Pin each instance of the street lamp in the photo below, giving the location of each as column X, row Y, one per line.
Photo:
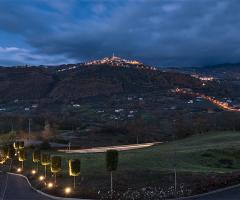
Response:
column 50, row 185
column 67, row 190
column 33, row 172
column 41, row 178
column 19, row 169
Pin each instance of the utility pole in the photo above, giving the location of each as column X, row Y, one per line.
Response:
column 69, row 146
column 11, row 132
column 29, row 128
column 175, row 161
column 175, row 174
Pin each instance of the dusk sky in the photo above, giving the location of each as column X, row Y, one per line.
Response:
column 156, row 32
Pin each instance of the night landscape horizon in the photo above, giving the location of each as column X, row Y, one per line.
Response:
column 119, row 100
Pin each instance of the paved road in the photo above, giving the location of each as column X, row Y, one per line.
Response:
column 229, row 194
column 17, row 189
column 119, row 148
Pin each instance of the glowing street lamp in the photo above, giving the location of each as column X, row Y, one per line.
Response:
column 33, row 172
column 50, row 185
column 19, row 169
column 67, row 190
column 41, row 178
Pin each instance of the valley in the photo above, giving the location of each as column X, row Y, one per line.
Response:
column 119, row 100
column 159, row 120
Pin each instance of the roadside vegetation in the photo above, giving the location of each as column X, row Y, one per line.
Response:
column 214, row 157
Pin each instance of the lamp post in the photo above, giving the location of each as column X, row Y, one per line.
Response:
column 174, row 161
column 69, row 146
column 29, row 128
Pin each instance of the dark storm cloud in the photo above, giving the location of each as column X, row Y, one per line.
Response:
column 166, row 32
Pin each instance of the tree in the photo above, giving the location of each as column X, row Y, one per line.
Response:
column 5, row 151
column 45, row 161
column 36, row 157
column 74, row 169
column 3, row 157
column 56, row 163
column 9, row 138
column 10, row 154
column 21, row 144
column 18, row 145
column 45, row 145
column 22, row 156
column 111, row 163
column 11, row 151
column 49, row 130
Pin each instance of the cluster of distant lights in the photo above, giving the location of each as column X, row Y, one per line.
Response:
column 41, row 178
column 203, row 78
column 223, row 105
column 114, row 61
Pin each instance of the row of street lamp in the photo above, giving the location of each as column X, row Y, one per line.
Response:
column 50, row 185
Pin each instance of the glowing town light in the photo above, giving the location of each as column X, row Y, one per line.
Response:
column 33, row 171
column 67, row 190
column 19, row 169
column 41, row 178
column 50, row 185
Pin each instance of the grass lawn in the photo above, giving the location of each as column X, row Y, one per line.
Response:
column 199, row 153
column 215, row 152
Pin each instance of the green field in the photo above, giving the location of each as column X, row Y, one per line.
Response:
column 199, row 153
column 216, row 152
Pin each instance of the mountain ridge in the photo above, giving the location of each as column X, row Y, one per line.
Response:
column 104, row 77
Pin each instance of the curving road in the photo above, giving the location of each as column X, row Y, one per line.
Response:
column 17, row 188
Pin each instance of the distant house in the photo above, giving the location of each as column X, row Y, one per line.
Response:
column 76, row 105
column 118, row 110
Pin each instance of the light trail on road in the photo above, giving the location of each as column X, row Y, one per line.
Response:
column 104, row 149
column 220, row 104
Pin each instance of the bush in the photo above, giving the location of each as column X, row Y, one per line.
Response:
column 112, row 160
column 36, row 156
column 5, row 151
column 45, row 159
column 11, row 151
column 45, row 145
column 56, row 162
column 22, row 155
column 74, row 167
column 18, row 145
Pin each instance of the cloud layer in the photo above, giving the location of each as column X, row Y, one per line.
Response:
column 161, row 33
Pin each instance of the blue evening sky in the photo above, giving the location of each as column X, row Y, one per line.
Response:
column 156, row 32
